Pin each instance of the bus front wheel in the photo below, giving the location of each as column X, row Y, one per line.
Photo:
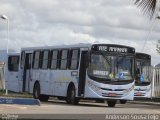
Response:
column 71, row 96
column 123, row 101
column 111, row 103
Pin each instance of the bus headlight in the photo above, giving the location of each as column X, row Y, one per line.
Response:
column 148, row 89
column 94, row 87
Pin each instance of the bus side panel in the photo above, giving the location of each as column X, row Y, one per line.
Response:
column 44, row 78
column 62, row 80
column 57, row 84
column 13, row 82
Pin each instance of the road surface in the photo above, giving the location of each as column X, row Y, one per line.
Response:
column 85, row 110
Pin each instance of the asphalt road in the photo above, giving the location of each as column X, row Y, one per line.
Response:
column 85, row 110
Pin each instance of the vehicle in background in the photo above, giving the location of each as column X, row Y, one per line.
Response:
column 143, row 75
column 12, row 82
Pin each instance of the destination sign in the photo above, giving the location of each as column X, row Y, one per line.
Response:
column 143, row 56
column 113, row 48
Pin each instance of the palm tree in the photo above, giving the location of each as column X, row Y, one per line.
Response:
column 148, row 6
column 158, row 49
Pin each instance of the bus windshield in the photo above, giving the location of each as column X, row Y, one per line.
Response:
column 143, row 71
column 111, row 67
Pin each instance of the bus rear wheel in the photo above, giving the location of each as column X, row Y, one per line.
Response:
column 111, row 103
column 44, row 97
column 71, row 96
column 37, row 95
column 36, row 91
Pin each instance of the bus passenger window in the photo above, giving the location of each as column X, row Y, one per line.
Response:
column 45, row 59
column 74, row 59
column 54, row 59
column 13, row 63
column 63, row 61
column 36, row 60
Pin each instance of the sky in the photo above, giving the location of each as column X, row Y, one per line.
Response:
column 57, row 22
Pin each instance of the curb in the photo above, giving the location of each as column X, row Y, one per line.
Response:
column 142, row 102
column 20, row 101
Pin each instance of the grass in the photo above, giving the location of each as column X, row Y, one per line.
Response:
column 2, row 92
column 13, row 94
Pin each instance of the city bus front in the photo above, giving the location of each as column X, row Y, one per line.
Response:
column 143, row 76
column 110, row 74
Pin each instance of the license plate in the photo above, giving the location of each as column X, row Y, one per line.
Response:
column 138, row 94
column 112, row 94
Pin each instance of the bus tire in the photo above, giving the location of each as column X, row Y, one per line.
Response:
column 71, row 95
column 111, row 103
column 36, row 91
column 61, row 98
column 123, row 101
column 44, row 97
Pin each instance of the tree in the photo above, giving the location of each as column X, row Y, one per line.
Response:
column 158, row 47
column 147, row 6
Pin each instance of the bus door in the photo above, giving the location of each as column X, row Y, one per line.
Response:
column 12, row 81
column 82, row 73
column 26, row 71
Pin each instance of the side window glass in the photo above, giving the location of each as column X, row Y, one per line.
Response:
column 36, row 59
column 45, row 59
column 13, row 63
column 64, row 54
column 54, row 59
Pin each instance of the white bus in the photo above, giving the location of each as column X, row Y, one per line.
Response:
column 80, row 71
column 11, row 72
column 143, row 78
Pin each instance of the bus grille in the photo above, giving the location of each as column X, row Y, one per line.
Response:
column 112, row 89
column 109, row 95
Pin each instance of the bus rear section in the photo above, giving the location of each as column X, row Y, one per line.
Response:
column 11, row 72
column 69, row 72
column 143, row 76
column 2, row 78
